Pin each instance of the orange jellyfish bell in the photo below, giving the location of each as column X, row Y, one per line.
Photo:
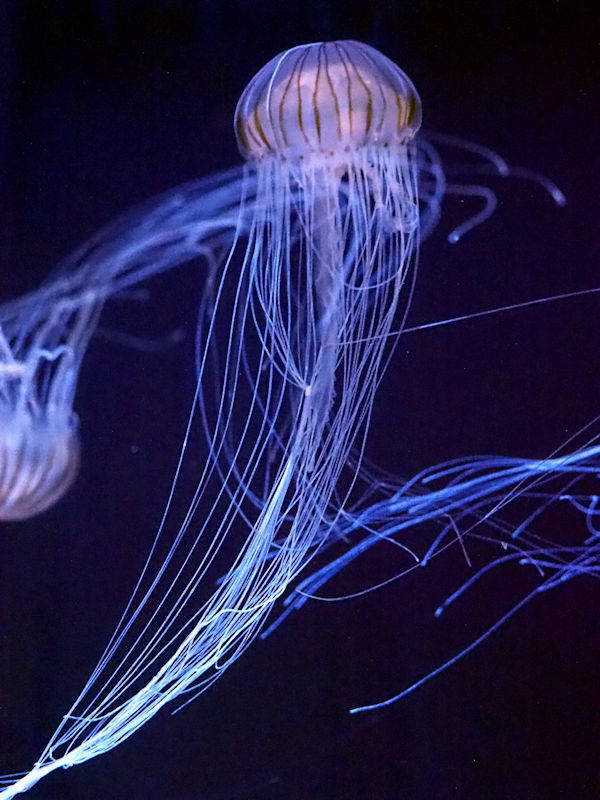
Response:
column 39, row 460
column 326, row 98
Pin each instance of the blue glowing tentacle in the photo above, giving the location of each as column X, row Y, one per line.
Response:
column 477, row 489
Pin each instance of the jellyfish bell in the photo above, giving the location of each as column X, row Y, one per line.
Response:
column 39, row 460
column 322, row 112
column 39, row 436
column 326, row 100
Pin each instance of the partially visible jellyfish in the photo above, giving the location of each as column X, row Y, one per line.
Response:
column 39, row 447
column 44, row 335
column 312, row 261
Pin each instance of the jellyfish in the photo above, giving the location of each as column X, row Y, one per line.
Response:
column 327, row 257
column 311, row 258
column 45, row 334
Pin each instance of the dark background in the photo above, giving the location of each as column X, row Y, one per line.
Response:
column 107, row 103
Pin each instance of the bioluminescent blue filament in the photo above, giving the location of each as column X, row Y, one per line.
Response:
column 466, row 499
